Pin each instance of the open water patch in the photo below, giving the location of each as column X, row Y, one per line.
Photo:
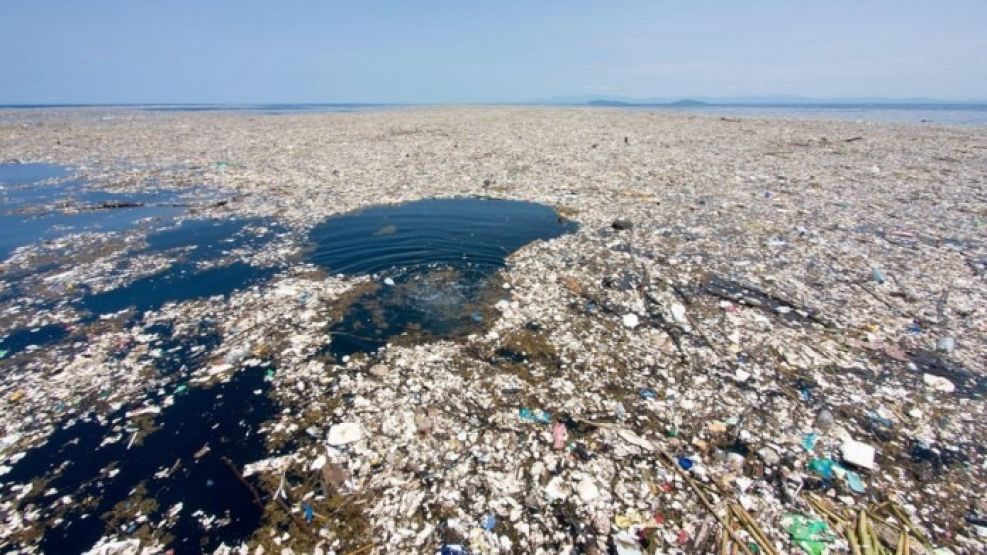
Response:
column 192, row 242
column 20, row 174
column 181, row 282
column 436, row 261
column 181, row 472
column 40, row 202
column 25, row 339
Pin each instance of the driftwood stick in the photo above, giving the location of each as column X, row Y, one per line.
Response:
column 236, row 472
column 705, row 502
column 753, row 528
column 302, row 526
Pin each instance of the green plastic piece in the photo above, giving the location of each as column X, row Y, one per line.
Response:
column 810, row 535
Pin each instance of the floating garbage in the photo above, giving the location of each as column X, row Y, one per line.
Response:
column 945, row 344
column 822, row 467
column 938, row 383
column 809, row 441
column 630, row 320
column 536, row 415
column 858, row 453
column 811, row 536
column 559, row 436
column 344, row 434
column 751, row 335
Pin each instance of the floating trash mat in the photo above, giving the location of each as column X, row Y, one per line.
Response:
column 165, row 468
column 435, row 261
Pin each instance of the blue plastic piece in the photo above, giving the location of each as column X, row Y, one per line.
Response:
column 853, row 480
column 809, row 442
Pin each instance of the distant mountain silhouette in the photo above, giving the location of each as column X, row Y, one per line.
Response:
column 616, row 103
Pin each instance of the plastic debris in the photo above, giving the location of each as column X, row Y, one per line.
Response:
column 858, row 453
column 586, row 490
column 822, row 467
column 943, row 344
column 556, row 489
column 782, row 332
column 853, row 480
column 559, row 436
column 678, row 313
column 626, row 543
column 345, row 433
column 809, row 441
column 630, row 320
column 811, row 536
column 536, row 415
column 939, row 383
column 824, row 420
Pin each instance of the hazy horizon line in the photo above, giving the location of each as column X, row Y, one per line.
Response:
column 556, row 100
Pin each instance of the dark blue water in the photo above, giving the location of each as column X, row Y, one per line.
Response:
column 192, row 241
column 33, row 209
column 180, row 282
column 20, row 339
column 440, row 255
column 471, row 234
column 225, row 418
column 207, row 239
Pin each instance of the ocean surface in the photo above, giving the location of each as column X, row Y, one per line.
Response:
column 950, row 114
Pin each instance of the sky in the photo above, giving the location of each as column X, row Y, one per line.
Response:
column 468, row 51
